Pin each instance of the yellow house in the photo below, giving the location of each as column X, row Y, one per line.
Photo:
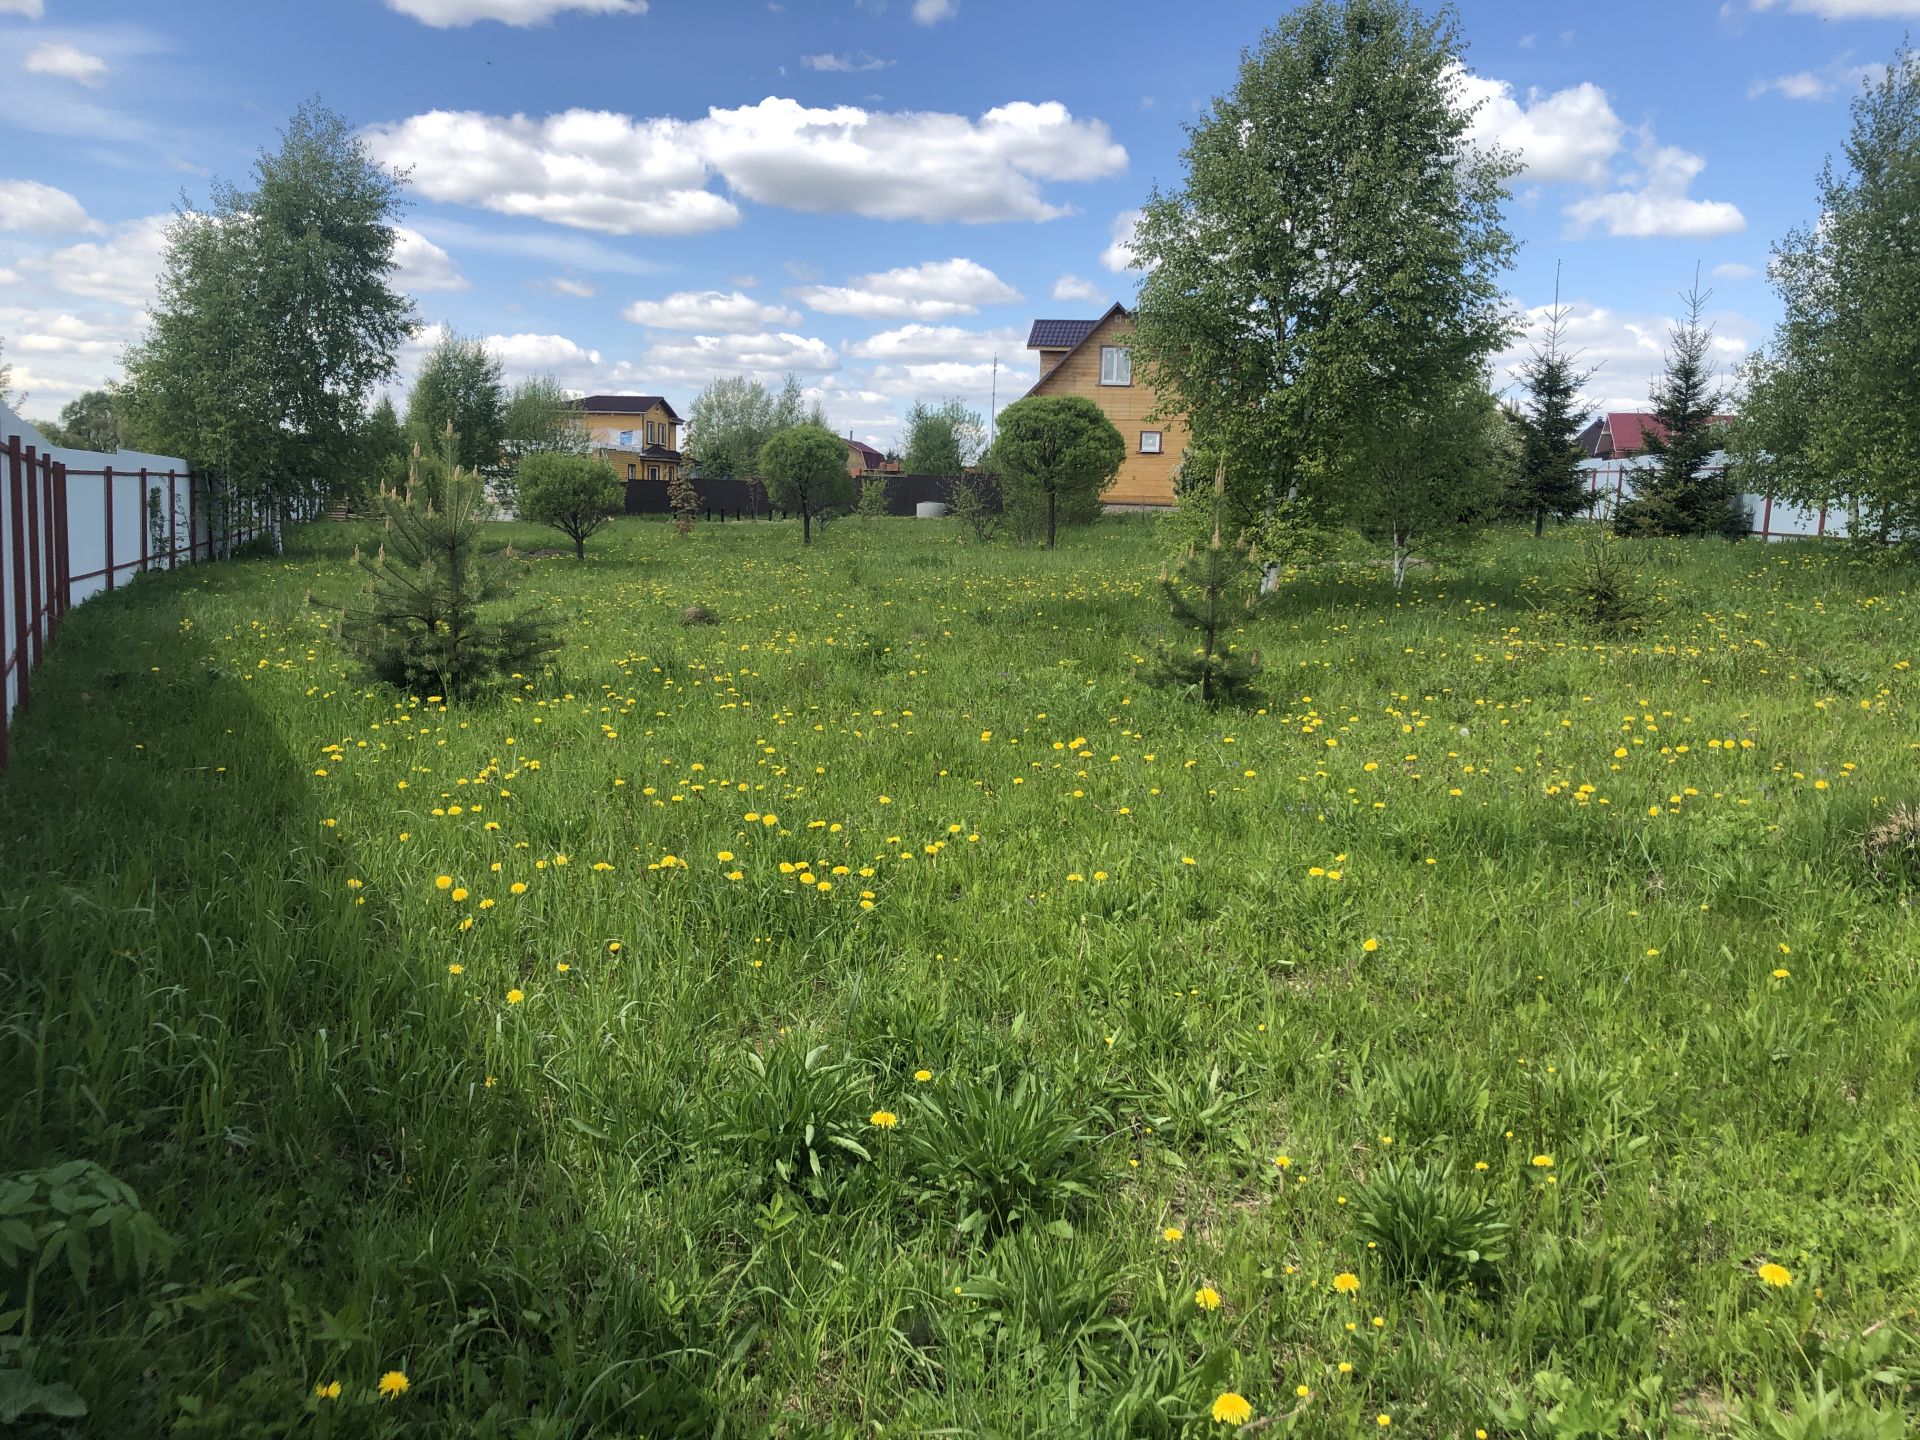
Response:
column 639, row 435
column 1090, row 358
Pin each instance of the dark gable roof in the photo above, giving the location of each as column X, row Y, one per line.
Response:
column 1058, row 334
column 1090, row 326
column 623, row 404
column 865, row 449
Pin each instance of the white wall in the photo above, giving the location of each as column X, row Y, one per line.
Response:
column 1611, row 478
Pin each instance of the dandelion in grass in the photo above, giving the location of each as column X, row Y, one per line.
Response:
column 1543, row 1162
column 443, row 882
column 883, row 1119
column 1777, row 1276
column 1370, row 944
column 456, row 969
column 1207, row 1298
column 515, row 996
column 1781, row 974
column 922, row 1076
column 1383, row 1420
column 1172, row 1234
column 1347, row 1283
column 1305, row 1392
column 327, row 1391
column 1230, row 1408
column 394, row 1384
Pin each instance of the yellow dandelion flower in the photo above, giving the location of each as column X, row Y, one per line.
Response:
column 1230, row 1408
column 1777, row 1276
column 1543, row 1162
column 515, row 996
column 1172, row 1234
column 1207, row 1298
column 393, row 1384
column 1347, row 1283
column 884, row 1119
column 1370, row 944
column 923, row 1076
column 443, row 882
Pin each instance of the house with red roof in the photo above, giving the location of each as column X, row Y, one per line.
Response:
column 1621, row 434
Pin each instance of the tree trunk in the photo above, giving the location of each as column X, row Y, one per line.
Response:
column 806, row 526
column 1402, row 552
column 1050, row 509
column 1539, row 521
column 580, row 547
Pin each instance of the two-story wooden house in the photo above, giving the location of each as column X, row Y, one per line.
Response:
column 639, row 435
column 1090, row 358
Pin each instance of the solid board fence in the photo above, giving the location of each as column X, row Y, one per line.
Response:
column 1611, row 481
column 78, row 523
column 730, row 499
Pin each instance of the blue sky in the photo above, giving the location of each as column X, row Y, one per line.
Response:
column 877, row 194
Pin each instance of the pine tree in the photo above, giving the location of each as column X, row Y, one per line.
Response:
column 427, row 620
column 1200, row 591
column 1677, row 494
column 1550, row 482
column 683, row 500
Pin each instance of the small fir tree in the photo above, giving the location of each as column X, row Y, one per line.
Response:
column 1201, row 592
column 430, row 618
column 683, row 500
column 1678, row 494
column 1550, row 482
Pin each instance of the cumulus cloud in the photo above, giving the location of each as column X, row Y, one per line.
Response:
column 694, row 359
column 32, row 9
column 933, row 291
column 726, row 311
column 1565, row 135
column 1656, row 202
column 1118, row 256
column 1733, row 270
column 1848, row 9
column 526, row 353
column 1823, row 83
column 942, row 343
column 423, row 266
column 851, row 63
column 600, row 170
column 42, row 210
column 578, row 289
column 932, row 12
column 454, row 14
column 1627, row 350
column 67, row 61
column 592, row 169
column 1072, row 287
column 121, row 269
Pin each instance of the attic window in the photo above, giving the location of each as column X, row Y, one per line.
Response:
column 1116, row 365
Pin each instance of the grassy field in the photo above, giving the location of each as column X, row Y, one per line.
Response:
column 879, row 1013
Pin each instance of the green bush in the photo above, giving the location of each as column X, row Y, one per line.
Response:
column 575, row 494
column 996, row 1155
column 795, row 1115
column 1431, row 1228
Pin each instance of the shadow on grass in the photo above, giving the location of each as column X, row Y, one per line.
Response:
column 194, row 1000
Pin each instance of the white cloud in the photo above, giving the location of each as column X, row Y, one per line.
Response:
column 932, row 12
column 1849, row 9
column 452, row 14
column 728, row 311
column 423, row 266
column 41, row 209
column 1072, row 287
column 524, row 354
column 67, row 61
column 851, row 63
column 578, row 289
column 933, row 291
column 1819, row 84
column 695, row 359
column 1118, row 256
column 941, row 343
column 1733, row 270
column 122, row 269
column 32, row 9
column 600, row 170
column 1568, row 135
column 1656, row 201
column 592, row 169
column 906, row 165
column 1627, row 349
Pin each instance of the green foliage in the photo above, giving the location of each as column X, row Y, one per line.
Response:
column 431, row 616
column 1054, row 455
column 1207, row 591
column 383, row 450
column 1430, row 1102
column 275, row 318
column 727, row 424
column 1432, row 1227
column 975, row 505
column 90, row 421
column 795, row 1116
column 461, row 386
column 1549, row 481
column 683, row 500
column 1562, row 1408
column 538, row 418
column 73, row 1219
column 1282, row 301
column 993, row 1156
column 577, row 495
column 1829, row 405
column 943, row 439
column 1605, row 594
column 804, row 468
column 872, row 504
column 1679, row 494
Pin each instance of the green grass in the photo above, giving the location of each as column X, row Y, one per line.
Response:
column 1473, row 889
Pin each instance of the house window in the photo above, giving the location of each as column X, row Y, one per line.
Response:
column 653, row 472
column 1149, row 442
column 626, row 439
column 1116, row 365
column 633, row 472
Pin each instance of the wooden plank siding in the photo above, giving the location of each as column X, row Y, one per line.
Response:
column 1143, row 479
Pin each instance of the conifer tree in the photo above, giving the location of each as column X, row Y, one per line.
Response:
column 1550, row 481
column 683, row 500
column 430, row 618
column 1677, row 494
column 1201, row 592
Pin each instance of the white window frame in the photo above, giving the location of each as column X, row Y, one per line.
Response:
column 1116, row 360
column 1154, row 448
